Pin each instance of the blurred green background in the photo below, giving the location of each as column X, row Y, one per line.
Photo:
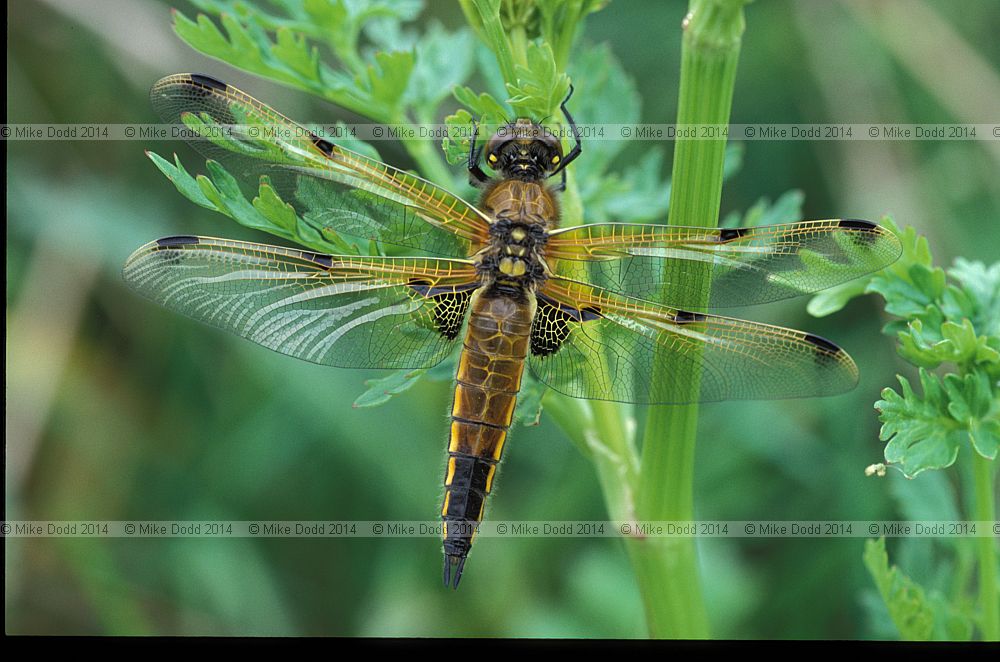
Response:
column 117, row 409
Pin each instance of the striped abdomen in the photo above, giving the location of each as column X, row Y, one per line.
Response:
column 489, row 377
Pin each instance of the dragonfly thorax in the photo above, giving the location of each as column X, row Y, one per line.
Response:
column 514, row 256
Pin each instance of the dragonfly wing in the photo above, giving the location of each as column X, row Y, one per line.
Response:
column 352, row 312
column 590, row 343
column 331, row 187
column 743, row 266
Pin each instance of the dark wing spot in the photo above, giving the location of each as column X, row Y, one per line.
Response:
column 179, row 240
column 450, row 304
column 856, row 224
column 728, row 234
column 208, row 81
column 423, row 287
column 685, row 317
column 318, row 258
column 822, row 343
column 551, row 324
column 449, row 313
column 867, row 231
column 324, row 146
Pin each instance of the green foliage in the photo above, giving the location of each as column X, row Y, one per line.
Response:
column 286, row 47
column 556, row 22
column 949, row 318
column 219, row 191
column 382, row 389
column 918, row 615
column 950, row 324
column 786, row 209
column 539, row 86
column 316, row 46
column 530, row 43
column 920, row 432
column 906, row 601
column 208, row 426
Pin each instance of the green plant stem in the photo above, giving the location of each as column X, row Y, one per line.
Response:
column 600, row 431
column 989, row 600
column 496, row 38
column 667, row 570
column 427, row 156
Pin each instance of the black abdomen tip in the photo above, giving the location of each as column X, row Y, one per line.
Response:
column 454, row 564
column 208, row 81
column 179, row 240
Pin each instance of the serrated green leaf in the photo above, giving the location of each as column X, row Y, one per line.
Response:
column 386, row 79
column 950, row 342
column 290, row 57
column 443, row 60
column 539, row 87
column 976, row 404
column 985, row 437
column 481, row 105
column 917, row 348
column 457, row 150
column 487, row 112
column 297, row 53
column 921, row 434
column 903, row 597
column 180, row 178
column 950, row 623
column 981, row 284
column 273, row 208
column 220, row 192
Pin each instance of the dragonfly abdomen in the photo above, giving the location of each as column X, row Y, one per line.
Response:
column 487, row 383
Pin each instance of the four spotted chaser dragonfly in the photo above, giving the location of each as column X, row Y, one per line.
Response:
column 589, row 309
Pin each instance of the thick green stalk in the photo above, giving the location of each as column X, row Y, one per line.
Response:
column 601, row 431
column 667, row 569
column 496, row 38
column 427, row 155
column 989, row 599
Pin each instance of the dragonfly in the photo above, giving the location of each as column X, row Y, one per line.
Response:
column 605, row 311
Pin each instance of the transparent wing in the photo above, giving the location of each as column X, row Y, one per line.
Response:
column 590, row 343
column 743, row 266
column 351, row 312
column 329, row 186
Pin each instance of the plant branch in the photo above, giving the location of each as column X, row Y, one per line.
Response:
column 989, row 600
column 668, row 570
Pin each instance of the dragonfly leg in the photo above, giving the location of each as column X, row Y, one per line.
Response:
column 476, row 175
column 578, row 147
column 561, row 186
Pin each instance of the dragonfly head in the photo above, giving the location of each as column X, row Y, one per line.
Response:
column 524, row 150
